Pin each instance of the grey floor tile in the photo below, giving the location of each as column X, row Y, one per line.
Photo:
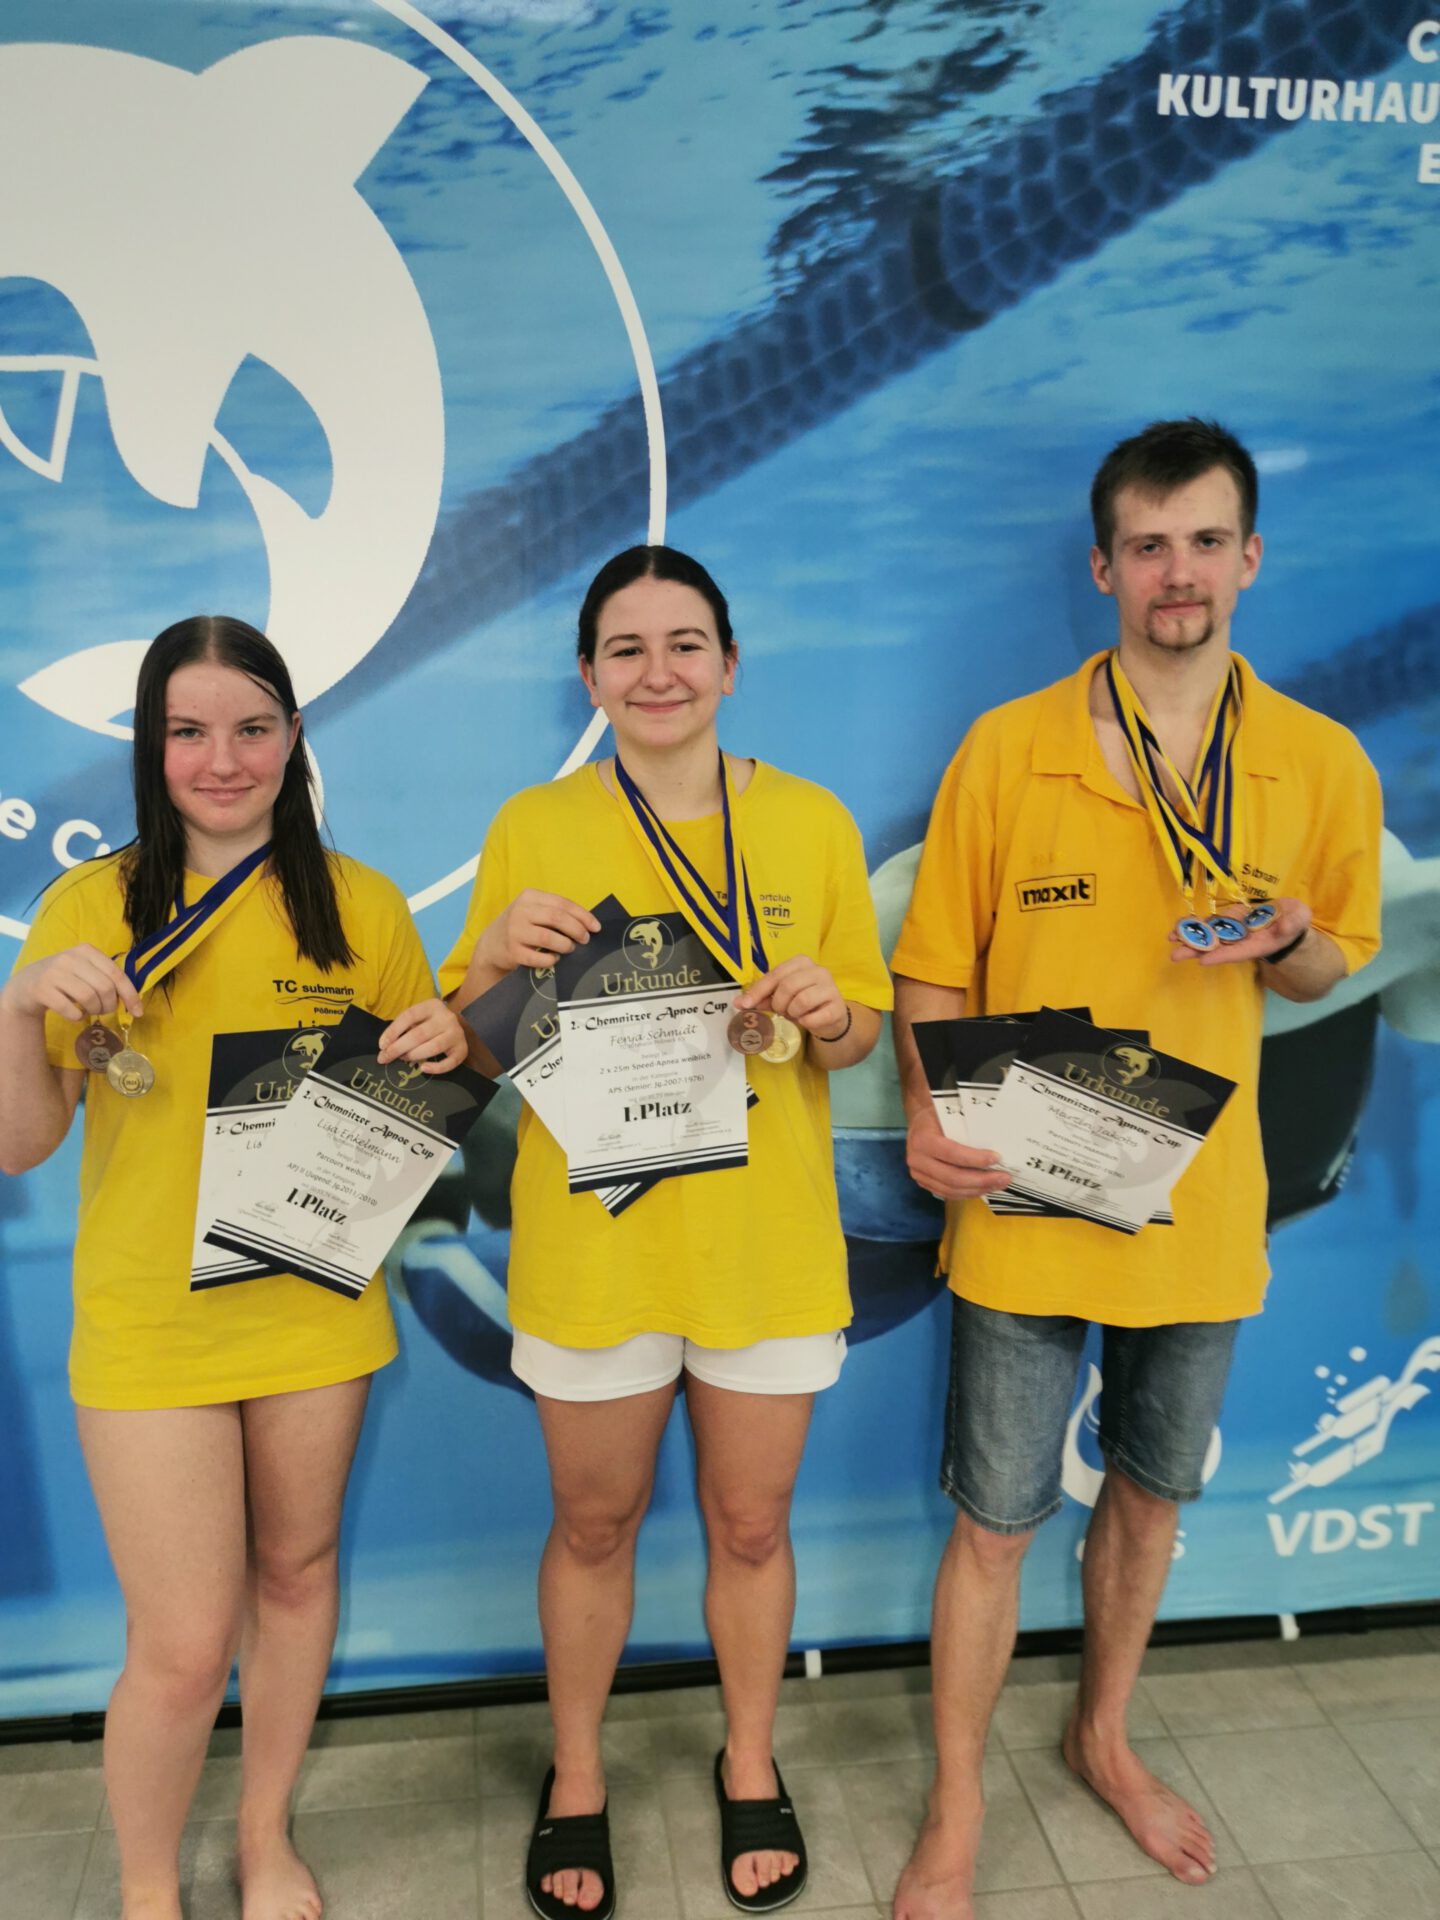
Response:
column 688, row 1743
column 1385, row 1643
column 48, row 1756
column 67, row 1801
column 1233, row 1894
column 1388, row 1886
column 217, row 1794
column 372, row 1729
column 1217, row 1656
column 1233, row 1702
column 837, row 1872
column 887, row 1805
column 1299, row 1794
column 878, row 1727
column 513, row 1749
column 644, row 1876
column 1036, row 1903
column 861, row 1684
column 1397, row 1688
column 395, row 1863
column 384, row 1775
column 1036, row 1716
column 1043, row 1669
column 208, row 1887
column 1403, row 1757
column 1090, row 1841
column 661, row 1703
column 41, row 1873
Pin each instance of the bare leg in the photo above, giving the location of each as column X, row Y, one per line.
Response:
column 1127, row 1560
column 298, row 1450
column 602, row 1467
column 971, row 1639
column 748, row 1447
column 169, row 1486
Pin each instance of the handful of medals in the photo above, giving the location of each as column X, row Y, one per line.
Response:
column 770, row 1035
column 125, row 1067
column 1194, row 821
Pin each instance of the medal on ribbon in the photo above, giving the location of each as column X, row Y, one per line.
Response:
column 158, row 954
column 1195, row 821
column 730, row 936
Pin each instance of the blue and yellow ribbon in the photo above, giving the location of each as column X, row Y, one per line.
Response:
column 737, row 945
column 1196, row 828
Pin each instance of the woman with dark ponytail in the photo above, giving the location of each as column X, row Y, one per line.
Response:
column 218, row 1423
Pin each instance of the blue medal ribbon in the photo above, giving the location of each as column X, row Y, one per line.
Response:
column 157, row 953
column 717, row 923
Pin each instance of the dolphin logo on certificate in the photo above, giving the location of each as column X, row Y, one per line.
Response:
column 652, row 1085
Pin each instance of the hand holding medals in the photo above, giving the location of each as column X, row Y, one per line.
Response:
column 771, row 1012
column 79, row 982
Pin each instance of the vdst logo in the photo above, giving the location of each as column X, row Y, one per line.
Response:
column 1057, row 890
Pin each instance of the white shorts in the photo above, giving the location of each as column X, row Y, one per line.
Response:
column 803, row 1364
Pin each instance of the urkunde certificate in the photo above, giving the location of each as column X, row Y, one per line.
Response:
column 252, row 1076
column 652, row 1085
column 354, row 1153
column 1100, row 1124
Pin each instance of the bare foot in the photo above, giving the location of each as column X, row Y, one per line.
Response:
column 940, row 1874
column 755, row 1780
column 1160, row 1822
column 275, row 1883
column 572, row 1794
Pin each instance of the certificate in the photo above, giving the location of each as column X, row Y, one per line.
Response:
column 1100, row 1124
column 252, row 1076
column 966, row 1062
column 519, row 1021
column 353, row 1154
column 652, row 1085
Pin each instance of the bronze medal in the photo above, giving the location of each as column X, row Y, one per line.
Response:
column 751, row 1031
column 97, row 1047
column 786, row 1043
column 130, row 1073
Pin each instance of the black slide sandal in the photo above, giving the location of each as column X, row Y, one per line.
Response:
column 574, row 1842
column 759, row 1826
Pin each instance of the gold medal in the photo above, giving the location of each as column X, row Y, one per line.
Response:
column 752, row 1032
column 787, row 1042
column 97, row 1047
column 130, row 1073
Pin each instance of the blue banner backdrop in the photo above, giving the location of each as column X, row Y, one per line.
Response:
column 303, row 316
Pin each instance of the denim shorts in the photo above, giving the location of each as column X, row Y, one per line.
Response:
column 1012, row 1390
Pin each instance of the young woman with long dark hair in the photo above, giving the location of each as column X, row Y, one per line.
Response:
column 736, row 1277
column 218, row 1426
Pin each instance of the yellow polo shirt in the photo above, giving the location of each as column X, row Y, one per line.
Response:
column 142, row 1339
column 728, row 1257
column 1041, row 883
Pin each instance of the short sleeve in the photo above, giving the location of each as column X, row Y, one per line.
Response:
column 492, row 893
column 952, row 909
column 850, row 948
column 1340, row 881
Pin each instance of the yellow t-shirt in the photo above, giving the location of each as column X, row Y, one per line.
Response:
column 1041, row 883
column 142, row 1338
column 725, row 1258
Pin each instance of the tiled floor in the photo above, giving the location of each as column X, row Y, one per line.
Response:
column 1317, row 1763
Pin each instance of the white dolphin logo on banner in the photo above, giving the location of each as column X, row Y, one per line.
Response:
column 195, row 220
column 1081, row 1480
column 1356, row 1428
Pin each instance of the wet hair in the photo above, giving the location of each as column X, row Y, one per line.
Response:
column 649, row 563
column 152, row 866
column 1167, row 455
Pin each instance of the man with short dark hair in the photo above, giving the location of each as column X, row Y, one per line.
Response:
column 1174, row 782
